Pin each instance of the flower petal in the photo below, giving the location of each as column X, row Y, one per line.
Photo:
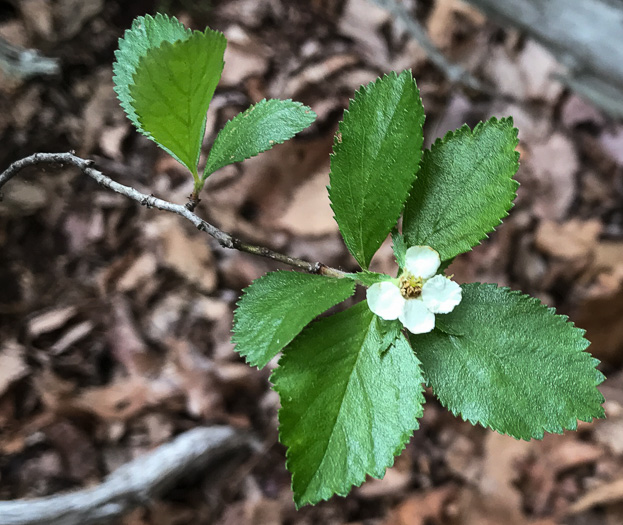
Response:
column 422, row 261
column 416, row 317
column 385, row 300
column 441, row 295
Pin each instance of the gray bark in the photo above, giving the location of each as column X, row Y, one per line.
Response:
column 585, row 35
column 135, row 483
column 25, row 63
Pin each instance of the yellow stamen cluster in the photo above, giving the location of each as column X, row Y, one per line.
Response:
column 410, row 286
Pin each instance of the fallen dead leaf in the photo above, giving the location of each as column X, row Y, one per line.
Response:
column 12, row 365
column 137, row 272
column 574, row 240
column 192, row 374
column 78, row 453
column 605, row 494
column 96, row 111
column 612, row 143
column 71, row 15
column 50, row 320
column 83, row 228
column 608, row 257
column 553, row 163
column 476, row 508
column 539, row 67
column 309, row 212
column 187, row 254
column 22, row 198
column 503, row 72
column 576, row 111
column 599, row 310
column 449, row 17
column 361, row 21
column 37, row 15
column 244, row 57
column 462, row 459
column 264, row 511
column 111, row 140
column 571, row 453
column 610, row 434
column 394, row 483
column 316, row 73
column 126, row 343
column 72, row 336
column 420, row 509
column 123, row 399
column 499, row 470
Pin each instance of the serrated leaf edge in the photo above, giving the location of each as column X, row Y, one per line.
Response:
column 363, row 90
column 328, row 493
column 129, row 34
column 464, row 129
column 140, row 128
column 238, row 303
column 241, row 115
column 399, row 245
column 599, row 377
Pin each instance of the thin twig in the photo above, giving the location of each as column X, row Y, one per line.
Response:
column 135, row 483
column 25, row 63
column 224, row 239
column 454, row 72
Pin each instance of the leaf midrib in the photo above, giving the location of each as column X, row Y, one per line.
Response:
column 346, row 388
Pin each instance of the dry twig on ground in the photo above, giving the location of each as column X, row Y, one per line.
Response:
column 134, row 484
column 453, row 72
column 25, row 63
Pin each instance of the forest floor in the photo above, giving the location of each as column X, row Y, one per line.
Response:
column 115, row 319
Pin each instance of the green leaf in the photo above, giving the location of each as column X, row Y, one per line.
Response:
column 376, row 156
column 277, row 306
column 347, row 407
column 368, row 278
column 388, row 332
column 172, row 89
column 511, row 364
column 146, row 33
column 464, row 188
column 257, row 129
column 399, row 247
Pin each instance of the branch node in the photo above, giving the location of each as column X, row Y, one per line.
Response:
column 148, row 202
column 192, row 203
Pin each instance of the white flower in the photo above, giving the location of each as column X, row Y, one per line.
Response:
column 418, row 294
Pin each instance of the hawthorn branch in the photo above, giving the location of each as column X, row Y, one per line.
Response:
column 150, row 201
column 135, row 483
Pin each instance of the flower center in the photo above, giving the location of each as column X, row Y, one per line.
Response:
column 410, row 286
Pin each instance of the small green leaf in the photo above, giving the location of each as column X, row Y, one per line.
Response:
column 277, row 306
column 172, row 89
column 368, row 278
column 347, row 407
column 389, row 332
column 146, row 33
column 399, row 247
column 257, row 129
column 376, row 156
column 511, row 364
column 464, row 188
